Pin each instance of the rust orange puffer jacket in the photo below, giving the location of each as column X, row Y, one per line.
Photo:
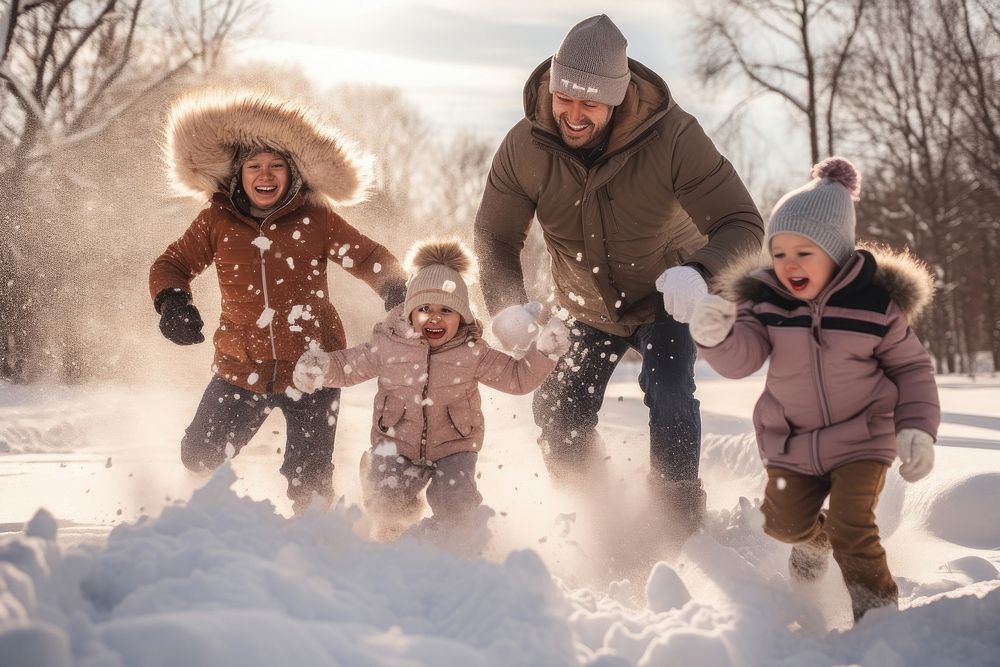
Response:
column 273, row 279
column 272, row 273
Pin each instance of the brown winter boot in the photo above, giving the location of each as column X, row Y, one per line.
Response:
column 809, row 560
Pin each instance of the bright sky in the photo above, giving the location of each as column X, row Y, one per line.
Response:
column 464, row 64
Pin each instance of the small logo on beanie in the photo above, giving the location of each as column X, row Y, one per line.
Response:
column 589, row 90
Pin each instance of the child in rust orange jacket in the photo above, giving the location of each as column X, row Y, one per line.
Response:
column 429, row 357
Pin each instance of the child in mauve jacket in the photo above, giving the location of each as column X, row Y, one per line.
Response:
column 429, row 357
column 849, row 386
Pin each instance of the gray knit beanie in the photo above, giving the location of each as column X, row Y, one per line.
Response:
column 591, row 63
column 822, row 210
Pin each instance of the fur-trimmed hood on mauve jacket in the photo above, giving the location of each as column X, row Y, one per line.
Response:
column 428, row 404
column 272, row 272
column 846, row 371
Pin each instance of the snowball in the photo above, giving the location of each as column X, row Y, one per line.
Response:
column 42, row 525
column 262, row 242
column 665, row 590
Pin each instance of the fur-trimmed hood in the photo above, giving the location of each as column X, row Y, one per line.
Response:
column 905, row 277
column 204, row 130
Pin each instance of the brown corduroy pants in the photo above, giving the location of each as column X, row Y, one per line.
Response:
column 792, row 504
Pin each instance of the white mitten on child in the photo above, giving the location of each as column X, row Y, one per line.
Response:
column 915, row 449
column 310, row 370
column 553, row 340
column 712, row 319
column 516, row 327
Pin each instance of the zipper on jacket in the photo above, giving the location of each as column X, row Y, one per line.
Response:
column 267, row 306
column 817, row 343
column 423, row 404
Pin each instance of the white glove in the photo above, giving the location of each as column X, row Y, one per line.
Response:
column 553, row 341
column 915, row 449
column 310, row 370
column 682, row 288
column 712, row 320
column 516, row 327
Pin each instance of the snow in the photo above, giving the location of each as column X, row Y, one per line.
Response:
column 145, row 564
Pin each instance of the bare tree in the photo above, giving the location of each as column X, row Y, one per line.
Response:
column 795, row 49
column 69, row 69
column 902, row 100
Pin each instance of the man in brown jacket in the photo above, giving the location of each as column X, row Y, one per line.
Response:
column 638, row 209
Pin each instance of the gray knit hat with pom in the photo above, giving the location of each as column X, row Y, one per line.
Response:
column 591, row 63
column 822, row 210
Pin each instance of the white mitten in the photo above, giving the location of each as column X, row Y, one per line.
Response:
column 915, row 449
column 712, row 320
column 682, row 288
column 310, row 370
column 516, row 327
column 553, row 341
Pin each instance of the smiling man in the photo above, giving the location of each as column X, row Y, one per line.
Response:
column 638, row 210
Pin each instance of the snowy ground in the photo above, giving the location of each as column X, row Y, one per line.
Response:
column 146, row 565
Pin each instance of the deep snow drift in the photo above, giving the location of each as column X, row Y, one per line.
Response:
column 211, row 572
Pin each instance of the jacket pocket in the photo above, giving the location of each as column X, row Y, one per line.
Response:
column 390, row 413
column 770, row 426
column 462, row 418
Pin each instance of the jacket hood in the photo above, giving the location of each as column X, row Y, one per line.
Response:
column 205, row 129
column 646, row 100
column 905, row 277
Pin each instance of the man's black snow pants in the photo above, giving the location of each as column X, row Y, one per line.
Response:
column 567, row 403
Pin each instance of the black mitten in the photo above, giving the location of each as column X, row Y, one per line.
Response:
column 180, row 321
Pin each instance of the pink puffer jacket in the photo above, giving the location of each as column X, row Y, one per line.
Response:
column 846, row 371
column 428, row 403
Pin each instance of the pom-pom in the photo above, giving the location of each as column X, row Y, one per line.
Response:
column 448, row 252
column 840, row 170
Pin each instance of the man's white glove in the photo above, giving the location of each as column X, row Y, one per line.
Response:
column 310, row 370
column 516, row 327
column 682, row 288
column 712, row 320
column 915, row 449
column 553, row 340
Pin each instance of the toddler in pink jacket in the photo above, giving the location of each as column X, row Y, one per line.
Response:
column 429, row 357
column 849, row 386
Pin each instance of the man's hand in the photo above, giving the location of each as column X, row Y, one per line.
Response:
column 516, row 327
column 310, row 371
column 180, row 321
column 915, row 449
column 712, row 320
column 682, row 288
column 553, row 340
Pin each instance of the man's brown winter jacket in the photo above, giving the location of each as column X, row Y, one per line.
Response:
column 660, row 195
